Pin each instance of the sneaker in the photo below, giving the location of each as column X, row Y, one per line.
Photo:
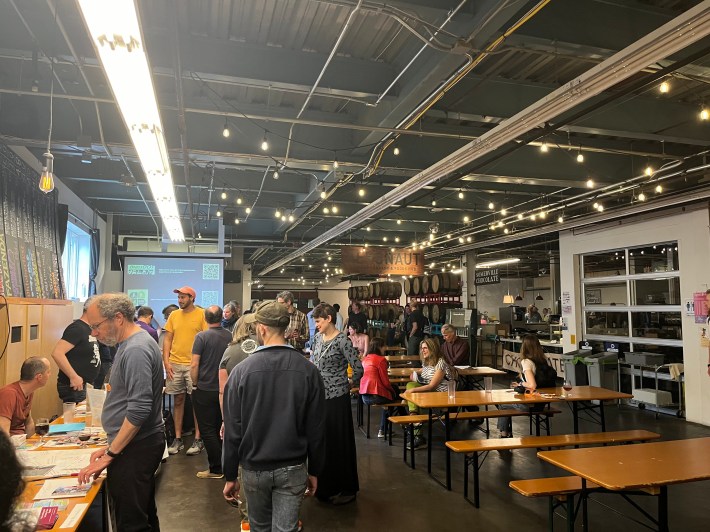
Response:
column 381, row 434
column 419, row 442
column 245, row 525
column 195, row 448
column 176, row 446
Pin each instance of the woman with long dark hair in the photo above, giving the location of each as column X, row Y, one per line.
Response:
column 331, row 352
column 531, row 354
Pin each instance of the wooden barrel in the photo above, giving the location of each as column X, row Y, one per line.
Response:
column 407, row 286
column 370, row 311
column 395, row 290
column 374, row 289
column 417, row 286
column 426, row 284
column 351, row 294
column 425, row 310
column 436, row 283
column 389, row 312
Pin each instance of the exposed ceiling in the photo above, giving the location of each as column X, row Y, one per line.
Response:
column 264, row 69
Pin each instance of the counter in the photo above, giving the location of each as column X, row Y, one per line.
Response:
column 511, row 354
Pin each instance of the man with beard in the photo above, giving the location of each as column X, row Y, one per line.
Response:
column 132, row 414
column 180, row 331
column 273, row 425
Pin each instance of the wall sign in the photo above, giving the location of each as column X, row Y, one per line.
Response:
column 381, row 261
column 487, row 276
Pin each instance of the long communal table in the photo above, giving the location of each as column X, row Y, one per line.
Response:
column 637, row 469
column 581, row 399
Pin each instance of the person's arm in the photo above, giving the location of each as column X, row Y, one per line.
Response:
column 222, row 374
column 351, row 354
column 100, row 460
column 439, row 375
column 366, row 349
column 529, row 380
column 167, row 345
column 29, row 425
column 232, row 430
column 195, row 368
column 384, row 376
column 5, row 425
column 415, row 328
column 60, row 357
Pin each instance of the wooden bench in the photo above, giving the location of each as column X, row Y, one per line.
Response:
column 410, row 420
column 474, row 447
column 559, row 490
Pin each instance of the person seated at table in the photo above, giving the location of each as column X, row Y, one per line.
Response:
column 531, row 354
column 16, row 398
column 358, row 338
column 11, row 487
column 433, row 377
column 375, row 386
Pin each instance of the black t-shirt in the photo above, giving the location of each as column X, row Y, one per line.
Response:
column 210, row 345
column 418, row 318
column 84, row 356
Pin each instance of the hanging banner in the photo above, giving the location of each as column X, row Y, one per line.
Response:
column 487, row 276
column 381, row 261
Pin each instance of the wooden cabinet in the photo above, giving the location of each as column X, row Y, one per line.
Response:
column 31, row 327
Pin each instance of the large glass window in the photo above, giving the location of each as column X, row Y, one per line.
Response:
column 632, row 296
column 75, row 262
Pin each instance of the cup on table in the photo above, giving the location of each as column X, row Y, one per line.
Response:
column 68, row 412
column 451, row 389
column 488, row 384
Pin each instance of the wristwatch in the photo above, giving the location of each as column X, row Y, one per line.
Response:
column 110, row 453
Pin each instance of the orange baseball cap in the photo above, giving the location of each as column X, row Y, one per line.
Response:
column 186, row 290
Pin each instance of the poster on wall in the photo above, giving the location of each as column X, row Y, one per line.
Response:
column 511, row 362
column 700, row 307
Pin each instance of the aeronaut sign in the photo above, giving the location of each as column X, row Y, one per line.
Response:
column 382, row 261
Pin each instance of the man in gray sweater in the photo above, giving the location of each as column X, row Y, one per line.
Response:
column 132, row 416
column 273, row 425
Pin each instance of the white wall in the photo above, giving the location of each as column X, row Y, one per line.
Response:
column 490, row 296
column 689, row 227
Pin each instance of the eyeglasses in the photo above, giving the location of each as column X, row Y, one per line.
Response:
column 424, row 347
column 96, row 327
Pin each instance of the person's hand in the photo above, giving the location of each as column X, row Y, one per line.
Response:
column 169, row 371
column 311, row 486
column 221, row 432
column 230, row 491
column 97, row 463
column 76, row 383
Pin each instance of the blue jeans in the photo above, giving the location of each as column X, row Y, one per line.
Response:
column 372, row 399
column 275, row 497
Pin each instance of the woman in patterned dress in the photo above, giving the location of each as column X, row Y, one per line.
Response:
column 331, row 352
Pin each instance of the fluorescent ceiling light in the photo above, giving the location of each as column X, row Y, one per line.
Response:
column 496, row 263
column 116, row 34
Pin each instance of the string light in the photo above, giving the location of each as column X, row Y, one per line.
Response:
column 580, row 156
column 326, row 210
column 224, row 195
column 396, row 239
column 520, row 216
column 466, row 219
column 236, row 221
column 276, row 174
column 225, row 131
column 218, row 214
column 399, row 222
column 277, row 214
column 367, row 229
column 396, row 151
column 664, row 87
column 239, row 201
column 334, row 208
column 659, row 189
column 290, row 219
column 322, row 194
column 642, row 196
column 283, row 218
column 461, row 195
column 361, row 192
column 248, row 210
column 433, row 202
column 384, row 239
column 648, row 171
column 544, row 148
column 461, row 240
column 503, row 212
column 491, row 206
column 600, row 208
column 560, row 219
column 335, row 164
column 704, row 114
column 590, row 183
column 264, row 144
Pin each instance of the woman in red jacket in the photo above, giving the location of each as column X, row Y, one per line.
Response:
column 375, row 387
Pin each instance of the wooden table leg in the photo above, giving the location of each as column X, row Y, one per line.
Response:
column 448, row 451
column 428, row 443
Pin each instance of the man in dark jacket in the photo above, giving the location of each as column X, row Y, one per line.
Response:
column 273, row 425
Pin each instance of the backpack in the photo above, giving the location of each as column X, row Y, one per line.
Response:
column 545, row 376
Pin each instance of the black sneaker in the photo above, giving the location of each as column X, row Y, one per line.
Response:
column 419, row 442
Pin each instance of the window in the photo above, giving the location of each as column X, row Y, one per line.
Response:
column 632, row 296
column 75, row 262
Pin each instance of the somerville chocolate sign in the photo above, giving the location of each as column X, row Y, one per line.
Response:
column 487, row 276
column 381, row 261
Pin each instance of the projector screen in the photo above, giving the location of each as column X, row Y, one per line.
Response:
column 151, row 281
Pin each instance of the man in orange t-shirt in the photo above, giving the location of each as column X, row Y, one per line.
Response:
column 16, row 398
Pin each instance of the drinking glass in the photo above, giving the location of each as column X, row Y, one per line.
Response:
column 42, row 428
column 567, row 386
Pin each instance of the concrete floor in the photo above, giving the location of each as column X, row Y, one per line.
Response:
column 393, row 497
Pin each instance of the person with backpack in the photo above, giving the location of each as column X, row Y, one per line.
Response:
column 537, row 373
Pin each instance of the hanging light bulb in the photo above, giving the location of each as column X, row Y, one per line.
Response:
column 290, row 219
column 491, row 205
column 264, row 144
column 590, row 183
column 399, row 222
column 704, row 114
column 384, row 239
column 236, row 221
column 648, row 171
column 461, row 194
column 367, row 229
column 466, row 219
column 334, row 209
column 595, row 205
column 218, row 214
column 396, row 151
column 276, row 174
column 659, row 189
column 504, row 212
column 283, row 217
column 468, row 239
column 322, row 194
column 664, row 87
column 642, row 196
column 580, row 156
column 461, row 240
column 225, row 131
column 520, row 216
column 433, row 202
column 46, row 179
column 560, row 219
column 361, row 192
column 543, row 214
column 326, row 210
column 248, row 210
column 544, row 148
column 277, row 214
column 506, row 231
column 600, row 208
column 239, row 201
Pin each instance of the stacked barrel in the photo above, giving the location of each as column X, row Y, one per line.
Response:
column 437, row 291
column 379, row 301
